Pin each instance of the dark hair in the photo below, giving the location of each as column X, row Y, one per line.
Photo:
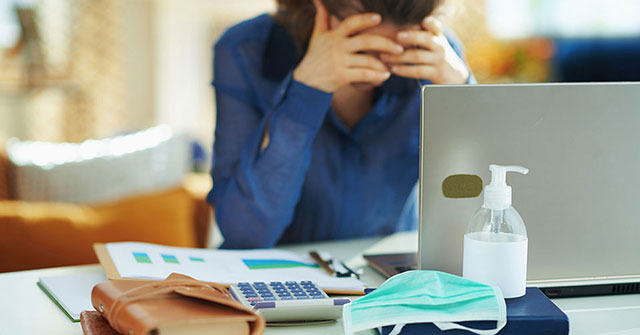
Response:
column 298, row 15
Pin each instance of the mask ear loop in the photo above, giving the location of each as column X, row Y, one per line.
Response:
column 450, row 325
column 502, row 319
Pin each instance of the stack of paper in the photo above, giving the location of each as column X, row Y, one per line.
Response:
column 150, row 261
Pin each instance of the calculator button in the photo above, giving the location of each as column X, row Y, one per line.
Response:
column 254, row 299
column 286, row 298
column 302, row 297
column 317, row 297
column 250, row 295
column 253, row 303
column 266, row 295
column 244, row 284
column 306, row 282
column 271, row 298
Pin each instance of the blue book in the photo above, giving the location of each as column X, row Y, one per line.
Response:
column 532, row 314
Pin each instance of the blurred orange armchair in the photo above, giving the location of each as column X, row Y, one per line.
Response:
column 43, row 234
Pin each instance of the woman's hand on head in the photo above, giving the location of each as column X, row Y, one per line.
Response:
column 337, row 57
column 428, row 55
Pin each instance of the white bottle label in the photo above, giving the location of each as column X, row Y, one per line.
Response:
column 498, row 260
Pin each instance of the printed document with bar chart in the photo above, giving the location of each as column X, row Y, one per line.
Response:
column 152, row 261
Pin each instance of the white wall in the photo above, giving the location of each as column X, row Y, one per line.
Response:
column 185, row 31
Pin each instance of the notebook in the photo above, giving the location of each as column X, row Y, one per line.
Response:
column 178, row 305
column 71, row 293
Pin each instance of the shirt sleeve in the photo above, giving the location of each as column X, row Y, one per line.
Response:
column 255, row 192
column 456, row 44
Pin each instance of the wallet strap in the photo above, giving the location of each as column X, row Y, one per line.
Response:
column 152, row 290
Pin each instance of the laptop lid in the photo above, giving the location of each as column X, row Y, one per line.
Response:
column 580, row 201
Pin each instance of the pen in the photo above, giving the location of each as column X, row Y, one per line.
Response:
column 322, row 262
column 350, row 271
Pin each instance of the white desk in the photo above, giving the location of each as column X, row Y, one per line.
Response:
column 25, row 309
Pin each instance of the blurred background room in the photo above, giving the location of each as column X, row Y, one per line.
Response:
column 107, row 113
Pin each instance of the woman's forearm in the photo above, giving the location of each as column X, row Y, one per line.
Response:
column 256, row 194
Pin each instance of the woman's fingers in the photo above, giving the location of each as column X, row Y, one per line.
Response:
column 366, row 61
column 418, row 38
column 364, row 75
column 321, row 23
column 375, row 43
column 357, row 23
column 432, row 25
column 412, row 56
column 415, row 71
column 339, row 56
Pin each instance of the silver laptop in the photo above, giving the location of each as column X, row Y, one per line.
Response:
column 581, row 199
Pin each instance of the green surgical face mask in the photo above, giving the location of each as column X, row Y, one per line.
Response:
column 426, row 296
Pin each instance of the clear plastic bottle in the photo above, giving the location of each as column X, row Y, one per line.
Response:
column 495, row 244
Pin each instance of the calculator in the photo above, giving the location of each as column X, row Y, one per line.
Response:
column 288, row 301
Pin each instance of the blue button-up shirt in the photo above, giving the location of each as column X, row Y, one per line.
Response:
column 317, row 179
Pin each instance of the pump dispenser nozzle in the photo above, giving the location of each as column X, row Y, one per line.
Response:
column 497, row 195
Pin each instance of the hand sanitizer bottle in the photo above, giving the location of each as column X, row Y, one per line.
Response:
column 495, row 244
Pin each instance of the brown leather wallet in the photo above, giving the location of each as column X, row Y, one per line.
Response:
column 176, row 305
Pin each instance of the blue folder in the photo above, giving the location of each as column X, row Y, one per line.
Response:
column 532, row 314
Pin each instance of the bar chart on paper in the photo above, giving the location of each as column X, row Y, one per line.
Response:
column 143, row 258
column 261, row 264
column 151, row 261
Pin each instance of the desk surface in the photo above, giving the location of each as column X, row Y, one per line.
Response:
column 25, row 309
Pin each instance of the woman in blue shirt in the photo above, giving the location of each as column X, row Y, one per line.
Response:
column 318, row 111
